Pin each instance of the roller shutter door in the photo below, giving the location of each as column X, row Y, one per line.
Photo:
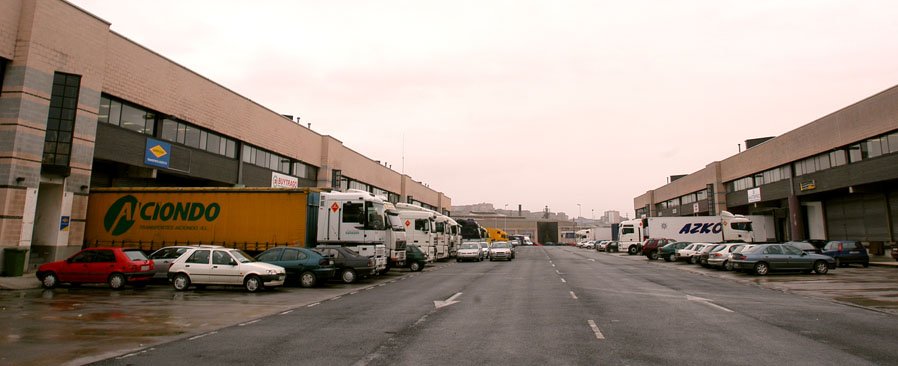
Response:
column 860, row 216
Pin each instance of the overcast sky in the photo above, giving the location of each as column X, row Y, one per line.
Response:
column 533, row 102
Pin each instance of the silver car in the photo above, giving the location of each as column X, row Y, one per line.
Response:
column 484, row 250
column 469, row 252
column 720, row 256
column 501, row 250
column 163, row 258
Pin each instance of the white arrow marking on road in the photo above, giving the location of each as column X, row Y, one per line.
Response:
column 595, row 329
column 574, row 296
column 563, row 281
column 448, row 301
column 706, row 301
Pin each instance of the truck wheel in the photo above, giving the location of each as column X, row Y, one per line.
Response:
column 384, row 271
column 631, row 250
column 348, row 275
column 117, row 281
column 820, row 267
column 253, row 283
column 307, row 279
column 181, row 282
column 50, row 280
column 761, row 268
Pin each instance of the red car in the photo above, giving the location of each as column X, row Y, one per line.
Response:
column 115, row 266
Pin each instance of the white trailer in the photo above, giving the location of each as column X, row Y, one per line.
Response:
column 725, row 227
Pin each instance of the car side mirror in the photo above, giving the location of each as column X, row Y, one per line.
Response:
column 232, row 262
column 69, row 261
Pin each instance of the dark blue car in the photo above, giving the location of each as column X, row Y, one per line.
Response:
column 302, row 265
column 846, row 252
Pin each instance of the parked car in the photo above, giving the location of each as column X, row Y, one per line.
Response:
column 162, row 259
column 415, row 258
column 589, row 245
column 348, row 265
column 689, row 252
column 602, row 245
column 484, row 250
column 302, row 265
column 762, row 259
column 469, row 252
column 115, row 266
column 223, row 266
column 669, row 251
column 501, row 250
column 612, row 247
column 895, row 252
column 650, row 247
column 706, row 253
column 738, row 248
column 805, row 246
column 720, row 257
column 846, row 252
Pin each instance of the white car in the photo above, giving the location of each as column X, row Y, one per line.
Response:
column 501, row 250
column 469, row 252
column 687, row 252
column 162, row 258
column 223, row 266
column 484, row 250
column 589, row 245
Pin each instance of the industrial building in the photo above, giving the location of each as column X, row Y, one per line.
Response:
column 835, row 178
column 82, row 106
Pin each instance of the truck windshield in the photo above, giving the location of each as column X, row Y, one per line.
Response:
column 395, row 222
column 745, row 226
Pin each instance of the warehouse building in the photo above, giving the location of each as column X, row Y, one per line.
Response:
column 835, row 178
column 82, row 106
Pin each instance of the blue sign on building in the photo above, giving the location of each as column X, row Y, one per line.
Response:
column 158, row 153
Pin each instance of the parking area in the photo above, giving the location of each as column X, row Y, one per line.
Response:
column 875, row 287
column 89, row 322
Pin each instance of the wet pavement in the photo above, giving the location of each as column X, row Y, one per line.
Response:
column 76, row 325
column 874, row 288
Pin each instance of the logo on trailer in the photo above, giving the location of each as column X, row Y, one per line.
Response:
column 407, row 223
column 335, row 207
column 120, row 216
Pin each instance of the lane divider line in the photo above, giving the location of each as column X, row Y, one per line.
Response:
column 287, row 312
column 248, row 323
column 574, row 296
column 353, row 293
column 595, row 329
column 200, row 336
column 313, row 304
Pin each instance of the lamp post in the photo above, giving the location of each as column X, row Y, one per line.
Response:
column 505, row 226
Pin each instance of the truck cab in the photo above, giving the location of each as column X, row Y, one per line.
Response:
column 631, row 235
column 356, row 220
column 419, row 230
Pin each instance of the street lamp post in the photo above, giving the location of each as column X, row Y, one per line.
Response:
column 505, row 226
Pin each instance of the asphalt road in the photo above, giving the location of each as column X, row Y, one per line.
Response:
column 552, row 305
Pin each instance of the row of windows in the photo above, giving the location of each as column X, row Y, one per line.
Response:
column 187, row 134
column 265, row 159
column 682, row 200
column 127, row 116
column 868, row 149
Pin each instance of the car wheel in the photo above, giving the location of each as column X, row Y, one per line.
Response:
column 866, row 264
column 384, row 271
column 253, row 283
column 457, row 260
column 724, row 265
column 839, row 263
column 307, row 279
column 117, row 281
column 668, row 258
column 348, row 275
column 654, row 255
column 631, row 250
column 181, row 282
column 692, row 260
column 50, row 280
column 414, row 266
column 820, row 267
column 728, row 266
column 761, row 268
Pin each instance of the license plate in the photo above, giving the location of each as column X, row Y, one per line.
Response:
column 144, row 268
column 281, row 278
column 855, row 252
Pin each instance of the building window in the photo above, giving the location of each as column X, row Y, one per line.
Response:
column 184, row 133
column 837, row 158
column 126, row 116
column 61, row 119
column 856, row 153
column 3, row 63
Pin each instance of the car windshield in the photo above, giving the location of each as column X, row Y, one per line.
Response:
column 751, row 249
column 135, row 255
column 500, row 245
column 719, row 248
column 470, row 246
column 241, row 256
column 802, row 245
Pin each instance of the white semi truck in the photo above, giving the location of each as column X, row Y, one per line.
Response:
column 359, row 221
column 725, row 227
column 419, row 229
column 445, row 243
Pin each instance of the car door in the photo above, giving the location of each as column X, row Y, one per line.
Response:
column 775, row 258
column 797, row 258
column 102, row 265
column 162, row 260
column 198, row 265
column 75, row 268
column 225, row 269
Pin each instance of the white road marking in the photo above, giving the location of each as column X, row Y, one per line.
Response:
column 595, row 329
column 562, row 280
column 708, row 302
column 553, row 265
column 287, row 312
column 556, row 271
column 200, row 336
column 313, row 304
column 335, row 298
column 574, row 296
column 248, row 323
column 592, row 260
column 353, row 293
column 449, row 301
